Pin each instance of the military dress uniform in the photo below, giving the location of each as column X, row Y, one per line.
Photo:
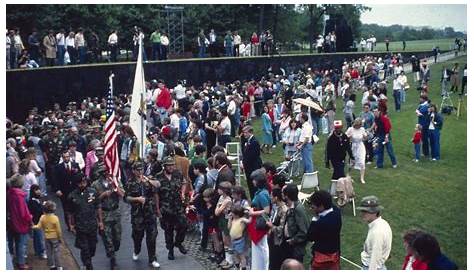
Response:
column 85, row 204
column 172, row 209
column 111, row 216
column 144, row 216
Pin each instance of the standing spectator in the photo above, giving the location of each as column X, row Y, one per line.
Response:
column 260, row 209
column 332, row 40
column 228, row 44
column 368, row 120
column 236, row 42
column 18, row 219
column 357, row 135
column 296, row 224
column 34, row 45
column 387, row 42
column 250, row 156
column 349, row 110
column 51, row 227
column 87, row 218
column 383, row 127
column 224, row 129
column 397, row 87
column 415, row 68
column 464, row 79
column 290, row 140
column 94, row 46
column 263, row 40
column 411, row 263
column 80, row 44
column 35, row 208
column 320, row 43
column 425, row 74
column 18, row 46
column 305, row 143
column 49, row 42
column 444, row 80
column 277, row 225
column 416, row 140
column 113, row 45
column 61, row 45
column 212, row 43
column 435, row 51
column 165, row 42
column 71, row 48
column 424, row 120
column 378, row 243
column 338, row 145
column 9, row 49
column 427, row 250
column 363, row 44
column 138, row 36
column 269, row 42
column 325, row 231
column 455, row 78
column 255, row 44
column 267, row 130
column 201, row 43
column 155, row 39
column 404, row 43
column 436, row 124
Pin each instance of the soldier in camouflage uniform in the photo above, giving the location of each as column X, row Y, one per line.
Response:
column 52, row 152
column 94, row 174
column 171, row 192
column 141, row 193
column 88, row 217
column 109, row 196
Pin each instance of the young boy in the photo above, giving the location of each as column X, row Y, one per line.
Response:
column 416, row 140
column 51, row 227
column 237, row 224
column 223, row 207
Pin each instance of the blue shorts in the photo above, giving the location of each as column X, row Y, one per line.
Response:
column 239, row 245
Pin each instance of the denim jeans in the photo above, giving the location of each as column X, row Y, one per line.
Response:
column 21, row 241
column 228, row 51
column 434, row 142
column 403, row 96
column 61, row 51
column 82, row 54
column 417, row 151
column 38, row 242
column 425, row 140
column 307, row 154
column 380, row 149
column 202, row 52
column 396, row 96
column 316, row 123
column 155, row 54
column 163, row 114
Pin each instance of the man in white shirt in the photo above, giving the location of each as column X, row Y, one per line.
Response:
column 305, row 143
column 231, row 109
column 81, row 46
column 212, row 43
column 224, row 129
column 71, row 48
column 320, row 43
column 180, row 93
column 396, row 93
column 237, row 42
column 113, row 45
column 378, row 243
column 164, row 40
column 61, row 45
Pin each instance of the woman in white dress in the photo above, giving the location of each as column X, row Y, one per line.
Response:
column 357, row 134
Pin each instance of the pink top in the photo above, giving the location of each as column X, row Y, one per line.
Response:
column 20, row 217
column 91, row 159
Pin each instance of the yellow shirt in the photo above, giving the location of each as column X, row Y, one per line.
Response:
column 237, row 229
column 49, row 223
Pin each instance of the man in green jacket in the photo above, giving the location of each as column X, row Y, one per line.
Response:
column 297, row 224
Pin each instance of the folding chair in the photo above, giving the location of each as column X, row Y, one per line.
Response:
column 333, row 192
column 310, row 180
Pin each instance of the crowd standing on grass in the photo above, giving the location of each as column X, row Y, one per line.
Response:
column 187, row 181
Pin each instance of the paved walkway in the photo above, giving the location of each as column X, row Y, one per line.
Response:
column 124, row 255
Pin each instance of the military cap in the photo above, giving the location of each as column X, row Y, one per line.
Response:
column 167, row 161
column 370, row 204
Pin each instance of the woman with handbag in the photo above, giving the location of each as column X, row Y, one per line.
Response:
column 258, row 228
column 325, row 232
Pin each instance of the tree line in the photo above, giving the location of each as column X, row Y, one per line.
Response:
column 400, row 33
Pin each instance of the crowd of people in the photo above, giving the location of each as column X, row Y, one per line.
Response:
column 187, row 180
column 234, row 45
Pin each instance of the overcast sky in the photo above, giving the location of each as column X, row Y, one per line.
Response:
column 436, row 16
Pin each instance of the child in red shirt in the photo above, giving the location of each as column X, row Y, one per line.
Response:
column 416, row 140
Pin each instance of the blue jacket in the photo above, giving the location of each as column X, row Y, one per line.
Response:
column 424, row 120
column 442, row 263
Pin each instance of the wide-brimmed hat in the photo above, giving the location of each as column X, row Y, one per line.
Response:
column 370, row 204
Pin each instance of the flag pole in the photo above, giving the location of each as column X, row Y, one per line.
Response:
column 142, row 141
column 111, row 82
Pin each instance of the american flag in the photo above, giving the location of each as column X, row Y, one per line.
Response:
column 111, row 157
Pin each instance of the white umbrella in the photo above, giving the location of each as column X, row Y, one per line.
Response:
column 309, row 103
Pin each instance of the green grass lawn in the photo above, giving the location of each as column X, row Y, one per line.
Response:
column 443, row 44
column 425, row 195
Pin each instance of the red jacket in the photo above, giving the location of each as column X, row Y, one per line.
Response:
column 417, row 137
column 246, row 109
column 354, row 74
column 416, row 265
column 254, row 39
column 20, row 217
column 164, row 99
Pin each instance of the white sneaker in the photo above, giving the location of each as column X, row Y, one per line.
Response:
column 155, row 264
column 135, row 257
column 44, row 256
column 394, row 166
column 60, row 268
column 434, row 159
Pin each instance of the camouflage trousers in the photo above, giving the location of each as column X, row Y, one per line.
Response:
column 170, row 224
column 138, row 232
column 111, row 236
column 86, row 242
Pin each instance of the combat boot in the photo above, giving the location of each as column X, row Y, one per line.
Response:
column 182, row 249
column 113, row 263
column 171, row 254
